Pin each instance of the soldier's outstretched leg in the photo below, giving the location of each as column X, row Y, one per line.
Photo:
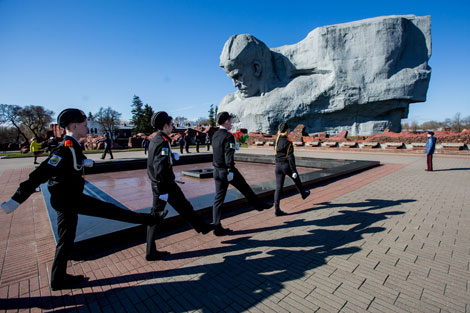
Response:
column 87, row 205
column 240, row 183
column 179, row 202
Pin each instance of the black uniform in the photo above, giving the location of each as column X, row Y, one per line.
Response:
column 198, row 142
column 285, row 165
column 66, row 187
column 107, row 147
column 208, row 141
column 224, row 146
column 160, row 172
column 187, row 141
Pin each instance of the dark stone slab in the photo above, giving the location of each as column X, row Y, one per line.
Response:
column 200, row 173
column 93, row 227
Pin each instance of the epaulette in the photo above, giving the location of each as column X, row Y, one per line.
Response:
column 68, row 143
column 164, row 138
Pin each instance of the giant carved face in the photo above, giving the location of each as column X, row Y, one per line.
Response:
column 245, row 77
column 245, row 60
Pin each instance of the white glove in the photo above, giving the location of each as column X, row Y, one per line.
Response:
column 229, row 176
column 88, row 163
column 294, row 176
column 10, row 206
column 176, row 156
column 163, row 197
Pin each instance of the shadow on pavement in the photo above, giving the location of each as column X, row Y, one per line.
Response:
column 252, row 276
column 452, row 169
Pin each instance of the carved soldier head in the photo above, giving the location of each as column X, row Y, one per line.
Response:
column 247, row 61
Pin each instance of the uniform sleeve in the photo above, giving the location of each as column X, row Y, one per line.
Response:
column 229, row 151
column 161, row 167
column 48, row 168
column 290, row 156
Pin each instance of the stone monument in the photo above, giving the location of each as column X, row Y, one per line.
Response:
column 359, row 76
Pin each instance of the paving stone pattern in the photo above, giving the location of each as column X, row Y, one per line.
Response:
column 391, row 239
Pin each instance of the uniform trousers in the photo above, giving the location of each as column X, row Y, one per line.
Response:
column 283, row 169
column 67, row 219
column 221, row 185
column 179, row 202
column 107, row 149
column 429, row 161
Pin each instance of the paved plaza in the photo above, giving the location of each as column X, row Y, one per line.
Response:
column 390, row 239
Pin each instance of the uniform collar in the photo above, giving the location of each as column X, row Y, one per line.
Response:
column 76, row 141
column 165, row 136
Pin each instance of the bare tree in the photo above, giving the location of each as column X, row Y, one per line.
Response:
column 8, row 135
column 466, row 122
column 457, row 123
column 108, row 119
column 431, row 125
column 181, row 121
column 203, row 121
column 36, row 119
column 9, row 115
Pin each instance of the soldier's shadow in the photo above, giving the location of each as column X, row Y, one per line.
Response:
column 254, row 270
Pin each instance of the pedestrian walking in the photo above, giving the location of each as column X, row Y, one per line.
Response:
column 35, row 148
column 208, row 142
column 145, row 145
column 187, row 141
column 107, row 146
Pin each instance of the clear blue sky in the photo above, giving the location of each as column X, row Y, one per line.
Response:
column 94, row 53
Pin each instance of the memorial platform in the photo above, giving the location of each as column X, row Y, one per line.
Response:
column 393, row 238
column 130, row 189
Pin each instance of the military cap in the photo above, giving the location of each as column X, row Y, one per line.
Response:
column 159, row 119
column 222, row 117
column 68, row 116
column 283, row 127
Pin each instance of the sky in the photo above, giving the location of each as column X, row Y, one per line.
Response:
column 95, row 53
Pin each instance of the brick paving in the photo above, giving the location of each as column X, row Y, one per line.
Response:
column 391, row 239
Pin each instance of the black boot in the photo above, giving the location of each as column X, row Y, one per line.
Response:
column 279, row 212
column 305, row 194
column 157, row 255
column 206, row 228
column 68, row 282
column 220, row 231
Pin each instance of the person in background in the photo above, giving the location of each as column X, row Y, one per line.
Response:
column 107, row 146
column 35, row 148
column 187, row 141
column 198, row 141
column 208, row 141
column 51, row 144
column 285, row 165
column 430, row 147
column 181, row 143
column 145, row 145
